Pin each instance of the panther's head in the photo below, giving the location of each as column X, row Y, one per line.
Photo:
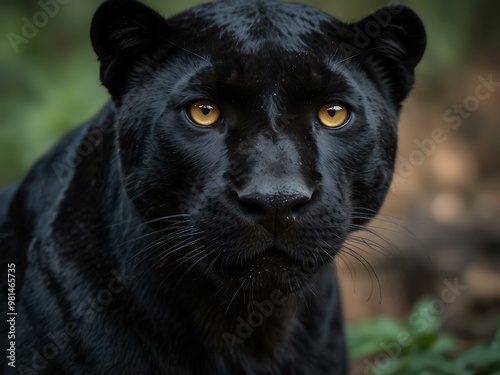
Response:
column 268, row 127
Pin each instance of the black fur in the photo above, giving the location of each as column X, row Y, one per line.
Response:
column 145, row 244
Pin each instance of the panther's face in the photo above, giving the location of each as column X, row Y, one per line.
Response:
column 262, row 125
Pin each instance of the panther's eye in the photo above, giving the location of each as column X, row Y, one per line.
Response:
column 204, row 113
column 333, row 115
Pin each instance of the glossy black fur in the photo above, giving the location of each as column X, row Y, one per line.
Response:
column 142, row 240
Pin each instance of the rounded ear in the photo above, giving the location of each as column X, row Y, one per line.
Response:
column 122, row 32
column 397, row 42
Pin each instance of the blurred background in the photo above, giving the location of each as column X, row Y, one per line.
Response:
column 421, row 287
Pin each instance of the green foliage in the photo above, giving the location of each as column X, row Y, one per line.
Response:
column 393, row 346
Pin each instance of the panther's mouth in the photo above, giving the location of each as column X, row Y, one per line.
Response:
column 272, row 258
column 272, row 268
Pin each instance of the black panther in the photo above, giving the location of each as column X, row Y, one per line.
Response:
column 190, row 226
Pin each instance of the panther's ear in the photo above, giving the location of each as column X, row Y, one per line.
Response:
column 396, row 41
column 122, row 32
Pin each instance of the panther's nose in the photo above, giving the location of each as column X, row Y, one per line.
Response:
column 274, row 211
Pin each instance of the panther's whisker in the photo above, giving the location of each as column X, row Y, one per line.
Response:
column 220, row 289
column 376, row 248
column 372, row 232
column 212, row 264
column 189, row 241
column 137, row 196
column 194, row 264
column 374, row 227
column 364, row 263
column 170, row 251
column 387, row 245
column 377, row 219
column 234, row 296
column 166, row 217
column 190, row 255
column 170, row 217
column 170, row 235
column 198, row 251
column 372, row 245
column 341, row 257
column 369, row 268
column 386, row 218
column 352, row 270
column 161, row 241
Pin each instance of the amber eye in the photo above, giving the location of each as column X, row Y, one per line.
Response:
column 204, row 113
column 333, row 115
